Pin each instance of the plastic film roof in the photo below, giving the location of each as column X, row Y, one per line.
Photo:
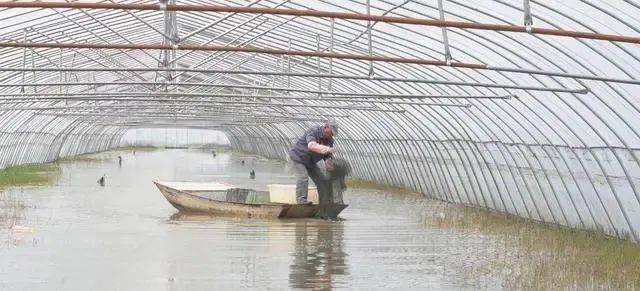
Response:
column 527, row 107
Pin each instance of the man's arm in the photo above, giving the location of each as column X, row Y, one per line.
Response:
column 320, row 149
column 316, row 147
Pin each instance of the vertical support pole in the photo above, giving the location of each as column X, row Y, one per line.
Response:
column 33, row 65
column 67, row 75
column 445, row 38
column 528, row 19
column 60, row 73
column 319, row 66
column 24, row 58
column 276, row 78
column 289, row 66
column 333, row 22
column 369, row 38
column 170, row 38
column 95, row 87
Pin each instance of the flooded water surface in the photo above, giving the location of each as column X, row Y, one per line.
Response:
column 77, row 235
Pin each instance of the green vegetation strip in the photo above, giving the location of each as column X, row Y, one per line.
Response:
column 534, row 255
column 357, row 183
column 35, row 174
column 82, row 158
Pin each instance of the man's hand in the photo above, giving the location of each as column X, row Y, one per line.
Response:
column 328, row 163
column 332, row 150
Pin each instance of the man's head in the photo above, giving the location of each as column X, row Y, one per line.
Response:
column 330, row 128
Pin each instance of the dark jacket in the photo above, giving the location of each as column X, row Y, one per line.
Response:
column 300, row 151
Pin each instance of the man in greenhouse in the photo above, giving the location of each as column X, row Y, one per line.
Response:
column 316, row 144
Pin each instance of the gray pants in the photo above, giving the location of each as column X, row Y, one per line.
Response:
column 303, row 173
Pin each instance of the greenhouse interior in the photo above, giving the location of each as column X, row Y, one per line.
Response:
column 449, row 144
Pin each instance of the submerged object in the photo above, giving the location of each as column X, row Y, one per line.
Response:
column 252, row 174
column 101, row 181
column 242, row 163
column 225, row 199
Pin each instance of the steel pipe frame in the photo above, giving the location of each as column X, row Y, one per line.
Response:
column 323, row 14
column 22, row 151
column 182, row 116
column 85, row 55
column 234, row 103
column 149, row 97
column 319, row 54
column 195, row 70
column 323, row 94
column 152, row 116
column 351, row 77
column 598, row 162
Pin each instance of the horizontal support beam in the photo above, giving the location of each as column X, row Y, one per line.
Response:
column 328, row 95
column 326, row 14
column 195, row 70
column 227, row 103
column 243, row 49
column 206, row 97
column 348, row 77
column 154, row 116
column 156, row 111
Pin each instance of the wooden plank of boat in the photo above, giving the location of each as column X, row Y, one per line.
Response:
column 187, row 201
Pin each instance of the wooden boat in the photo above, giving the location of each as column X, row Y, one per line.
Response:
column 226, row 200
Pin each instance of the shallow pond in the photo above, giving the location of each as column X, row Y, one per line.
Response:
column 77, row 235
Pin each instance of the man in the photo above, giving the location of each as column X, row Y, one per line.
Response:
column 316, row 144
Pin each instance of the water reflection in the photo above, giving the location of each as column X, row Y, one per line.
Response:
column 319, row 255
column 86, row 235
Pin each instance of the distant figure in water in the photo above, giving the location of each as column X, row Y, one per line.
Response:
column 134, row 152
column 101, row 181
column 214, row 153
column 242, row 163
column 252, row 174
column 120, row 161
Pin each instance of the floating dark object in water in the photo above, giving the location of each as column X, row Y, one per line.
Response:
column 214, row 153
column 252, row 174
column 120, row 161
column 101, row 181
column 242, row 163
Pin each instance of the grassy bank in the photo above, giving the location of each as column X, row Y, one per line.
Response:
column 138, row 149
column 105, row 156
column 530, row 255
column 82, row 158
column 547, row 256
column 36, row 174
column 357, row 183
column 11, row 209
